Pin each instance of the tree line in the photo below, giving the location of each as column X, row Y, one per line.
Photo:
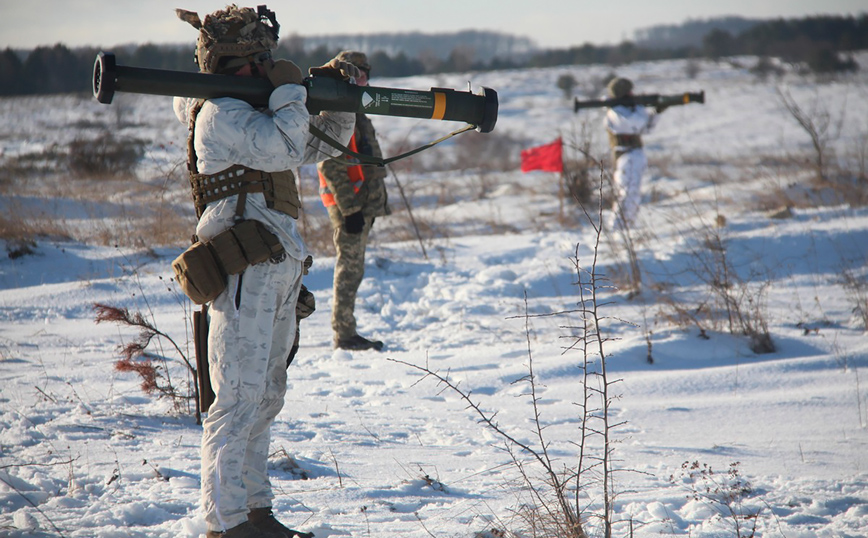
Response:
column 820, row 43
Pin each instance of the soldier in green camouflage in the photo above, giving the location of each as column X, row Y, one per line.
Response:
column 354, row 196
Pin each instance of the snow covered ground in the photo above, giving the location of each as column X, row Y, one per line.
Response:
column 365, row 445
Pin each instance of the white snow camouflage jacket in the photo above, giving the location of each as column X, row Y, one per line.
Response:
column 230, row 131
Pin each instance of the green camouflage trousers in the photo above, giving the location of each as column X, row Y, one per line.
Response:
column 349, row 271
column 251, row 329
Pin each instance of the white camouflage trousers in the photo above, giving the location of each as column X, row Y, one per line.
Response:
column 627, row 177
column 251, row 329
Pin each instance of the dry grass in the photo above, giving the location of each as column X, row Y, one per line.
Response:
column 87, row 191
column 123, row 213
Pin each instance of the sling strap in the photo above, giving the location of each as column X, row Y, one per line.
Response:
column 379, row 161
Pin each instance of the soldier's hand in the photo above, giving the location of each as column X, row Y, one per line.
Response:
column 354, row 223
column 282, row 72
column 336, row 69
column 660, row 108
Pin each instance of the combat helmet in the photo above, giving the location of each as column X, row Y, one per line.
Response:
column 358, row 59
column 232, row 37
column 619, row 87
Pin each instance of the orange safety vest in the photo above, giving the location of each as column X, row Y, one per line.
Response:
column 354, row 172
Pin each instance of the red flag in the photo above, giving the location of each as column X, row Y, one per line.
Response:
column 548, row 158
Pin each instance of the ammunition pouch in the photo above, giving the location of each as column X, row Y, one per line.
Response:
column 202, row 269
column 624, row 143
column 631, row 141
column 278, row 188
column 199, row 274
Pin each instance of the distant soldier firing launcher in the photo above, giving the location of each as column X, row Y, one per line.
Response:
column 626, row 121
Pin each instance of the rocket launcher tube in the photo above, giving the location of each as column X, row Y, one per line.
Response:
column 653, row 99
column 323, row 93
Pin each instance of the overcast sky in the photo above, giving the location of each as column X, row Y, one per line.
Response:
column 550, row 23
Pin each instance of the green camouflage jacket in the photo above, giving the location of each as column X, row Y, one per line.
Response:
column 372, row 198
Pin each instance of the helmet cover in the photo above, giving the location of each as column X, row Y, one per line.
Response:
column 231, row 33
column 619, row 87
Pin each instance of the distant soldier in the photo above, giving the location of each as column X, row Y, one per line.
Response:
column 625, row 125
column 354, row 196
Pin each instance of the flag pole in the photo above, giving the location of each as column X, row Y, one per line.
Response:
column 561, row 185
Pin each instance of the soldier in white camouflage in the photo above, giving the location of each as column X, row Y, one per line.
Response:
column 249, row 153
column 354, row 195
column 625, row 126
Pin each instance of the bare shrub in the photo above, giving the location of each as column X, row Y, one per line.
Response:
column 683, row 316
column 566, row 82
column 106, row 156
column 816, row 122
column 741, row 302
column 692, row 68
column 765, row 67
column 725, row 493
column 578, row 169
column 18, row 248
column 857, row 286
column 50, row 160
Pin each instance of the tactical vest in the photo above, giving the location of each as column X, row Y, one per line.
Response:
column 278, row 188
column 354, row 172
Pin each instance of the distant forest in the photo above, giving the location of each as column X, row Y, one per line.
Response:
column 820, row 44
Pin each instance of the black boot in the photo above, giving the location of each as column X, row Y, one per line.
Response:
column 245, row 530
column 264, row 520
column 358, row 343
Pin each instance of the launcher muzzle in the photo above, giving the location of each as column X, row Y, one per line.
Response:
column 323, row 93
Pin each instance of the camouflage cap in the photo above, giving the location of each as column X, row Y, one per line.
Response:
column 619, row 87
column 231, row 33
column 358, row 59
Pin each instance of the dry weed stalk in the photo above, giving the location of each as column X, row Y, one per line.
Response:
column 724, row 493
column 858, row 294
column 557, row 509
column 815, row 124
column 741, row 301
column 153, row 369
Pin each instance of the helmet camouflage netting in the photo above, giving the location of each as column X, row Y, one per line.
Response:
column 231, row 33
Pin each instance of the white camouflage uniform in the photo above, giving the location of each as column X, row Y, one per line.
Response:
column 252, row 323
column 631, row 164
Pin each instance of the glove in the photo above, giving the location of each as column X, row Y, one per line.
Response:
column 306, row 304
column 354, row 223
column 660, row 108
column 282, row 72
column 336, row 69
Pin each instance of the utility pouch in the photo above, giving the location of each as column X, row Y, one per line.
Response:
column 256, row 242
column 203, row 374
column 202, row 269
column 227, row 247
column 199, row 273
